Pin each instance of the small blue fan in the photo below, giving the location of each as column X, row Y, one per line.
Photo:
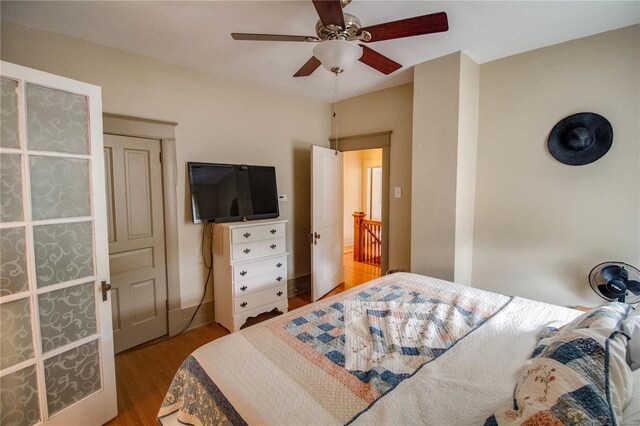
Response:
column 616, row 281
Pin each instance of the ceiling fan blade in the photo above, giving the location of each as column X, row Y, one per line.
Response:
column 330, row 12
column 378, row 61
column 272, row 37
column 427, row 24
column 634, row 287
column 308, row 68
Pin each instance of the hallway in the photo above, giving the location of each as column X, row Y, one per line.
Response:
column 354, row 273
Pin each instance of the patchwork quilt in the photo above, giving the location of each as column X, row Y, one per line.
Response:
column 370, row 355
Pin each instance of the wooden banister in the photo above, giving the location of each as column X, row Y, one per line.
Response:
column 367, row 241
column 358, row 235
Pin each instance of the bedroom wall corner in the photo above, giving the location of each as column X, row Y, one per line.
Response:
column 540, row 225
column 445, row 122
column 466, row 168
column 436, row 86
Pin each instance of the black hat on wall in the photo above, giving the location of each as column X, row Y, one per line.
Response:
column 580, row 139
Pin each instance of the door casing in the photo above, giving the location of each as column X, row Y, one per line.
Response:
column 369, row 141
column 164, row 131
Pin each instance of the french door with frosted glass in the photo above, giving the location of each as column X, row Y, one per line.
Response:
column 56, row 344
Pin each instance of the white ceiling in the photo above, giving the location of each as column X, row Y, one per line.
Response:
column 197, row 34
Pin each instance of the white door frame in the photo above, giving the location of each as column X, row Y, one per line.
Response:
column 164, row 131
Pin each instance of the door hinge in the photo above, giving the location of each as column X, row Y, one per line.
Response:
column 161, row 158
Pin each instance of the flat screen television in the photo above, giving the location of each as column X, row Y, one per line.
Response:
column 232, row 192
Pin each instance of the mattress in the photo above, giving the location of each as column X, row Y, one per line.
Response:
column 400, row 349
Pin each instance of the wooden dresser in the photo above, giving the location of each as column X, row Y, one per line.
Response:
column 249, row 270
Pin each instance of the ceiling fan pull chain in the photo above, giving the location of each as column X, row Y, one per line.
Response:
column 335, row 109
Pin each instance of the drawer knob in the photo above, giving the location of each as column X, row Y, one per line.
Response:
column 279, row 293
column 273, row 246
column 246, row 251
column 243, row 273
column 273, row 231
column 243, row 288
column 278, row 265
column 243, row 304
column 279, row 279
column 246, row 234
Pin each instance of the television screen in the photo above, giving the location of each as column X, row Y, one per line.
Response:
column 229, row 192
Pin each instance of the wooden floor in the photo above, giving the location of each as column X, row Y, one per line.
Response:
column 143, row 375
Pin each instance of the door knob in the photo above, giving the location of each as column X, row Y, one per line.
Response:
column 105, row 287
column 316, row 237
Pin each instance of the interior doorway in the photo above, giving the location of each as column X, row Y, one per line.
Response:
column 362, row 215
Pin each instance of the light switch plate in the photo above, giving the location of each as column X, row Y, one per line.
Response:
column 283, row 197
column 397, row 191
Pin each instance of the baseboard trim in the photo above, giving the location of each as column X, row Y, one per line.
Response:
column 179, row 318
column 299, row 285
column 175, row 321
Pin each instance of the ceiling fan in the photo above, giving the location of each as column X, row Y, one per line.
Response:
column 335, row 25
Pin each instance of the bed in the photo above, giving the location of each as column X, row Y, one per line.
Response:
column 401, row 349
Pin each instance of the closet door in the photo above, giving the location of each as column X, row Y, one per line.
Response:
column 56, row 342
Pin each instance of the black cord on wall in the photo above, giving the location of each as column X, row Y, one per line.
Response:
column 207, row 229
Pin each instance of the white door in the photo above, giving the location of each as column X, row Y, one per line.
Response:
column 326, row 221
column 136, row 240
column 56, row 344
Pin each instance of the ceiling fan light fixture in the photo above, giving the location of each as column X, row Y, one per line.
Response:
column 337, row 55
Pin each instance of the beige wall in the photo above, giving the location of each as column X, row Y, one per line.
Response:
column 436, row 103
column 389, row 109
column 466, row 168
column 220, row 120
column 541, row 225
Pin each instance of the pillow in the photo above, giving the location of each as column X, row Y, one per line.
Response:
column 631, row 414
column 607, row 316
column 578, row 376
column 631, row 327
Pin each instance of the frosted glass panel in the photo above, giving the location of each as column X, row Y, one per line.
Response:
column 72, row 376
column 19, row 398
column 59, row 187
column 56, row 120
column 9, row 114
column 16, row 344
column 63, row 252
column 13, row 264
column 11, row 188
column 67, row 315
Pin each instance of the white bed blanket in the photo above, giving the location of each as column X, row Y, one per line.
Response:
column 291, row 370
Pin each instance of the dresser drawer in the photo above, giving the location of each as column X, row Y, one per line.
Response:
column 255, row 300
column 250, row 234
column 272, row 279
column 248, row 251
column 252, row 270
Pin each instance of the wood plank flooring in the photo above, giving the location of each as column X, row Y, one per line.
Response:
column 144, row 374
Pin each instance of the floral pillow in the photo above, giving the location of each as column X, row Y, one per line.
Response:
column 578, row 376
